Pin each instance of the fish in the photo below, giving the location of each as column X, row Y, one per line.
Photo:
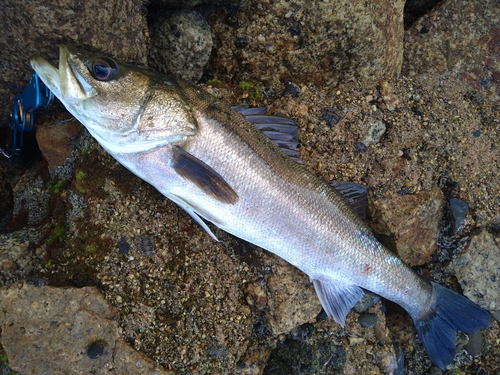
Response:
column 216, row 165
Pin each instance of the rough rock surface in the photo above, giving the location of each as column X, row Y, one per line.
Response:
column 461, row 37
column 478, row 272
column 181, row 44
column 196, row 306
column 320, row 41
column 37, row 27
column 410, row 222
column 47, row 330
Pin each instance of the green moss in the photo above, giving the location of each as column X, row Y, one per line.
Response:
column 214, row 82
column 55, row 188
column 79, row 177
column 254, row 91
column 57, row 235
column 90, row 248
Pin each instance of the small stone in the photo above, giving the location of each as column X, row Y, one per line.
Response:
column 367, row 320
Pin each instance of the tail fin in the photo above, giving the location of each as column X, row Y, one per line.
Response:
column 452, row 312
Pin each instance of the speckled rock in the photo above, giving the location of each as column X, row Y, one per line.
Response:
column 411, row 222
column 192, row 3
column 320, row 42
column 16, row 259
column 181, row 44
column 37, row 27
column 478, row 272
column 30, row 198
column 461, row 37
column 48, row 330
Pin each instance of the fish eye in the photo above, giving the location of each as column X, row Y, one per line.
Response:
column 104, row 69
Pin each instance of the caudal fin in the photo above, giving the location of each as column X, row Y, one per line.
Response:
column 452, row 312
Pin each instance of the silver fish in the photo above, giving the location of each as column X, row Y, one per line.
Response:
column 219, row 167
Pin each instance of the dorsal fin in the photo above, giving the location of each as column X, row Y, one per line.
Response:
column 281, row 130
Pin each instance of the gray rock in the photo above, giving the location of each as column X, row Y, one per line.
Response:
column 181, row 44
column 478, row 272
column 47, row 330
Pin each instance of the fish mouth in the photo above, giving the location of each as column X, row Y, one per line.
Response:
column 67, row 82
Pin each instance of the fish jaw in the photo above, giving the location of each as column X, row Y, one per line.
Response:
column 64, row 82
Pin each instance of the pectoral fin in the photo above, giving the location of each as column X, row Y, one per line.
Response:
column 337, row 298
column 203, row 176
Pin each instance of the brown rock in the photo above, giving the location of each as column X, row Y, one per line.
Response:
column 256, row 296
column 461, row 37
column 292, row 299
column 53, row 138
column 47, row 330
column 411, row 222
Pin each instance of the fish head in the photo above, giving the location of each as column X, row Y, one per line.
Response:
column 126, row 108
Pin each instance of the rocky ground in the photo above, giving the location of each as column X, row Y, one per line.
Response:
column 99, row 272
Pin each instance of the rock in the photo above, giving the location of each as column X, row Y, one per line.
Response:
column 460, row 37
column 411, row 222
column 53, row 139
column 292, row 299
column 458, row 213
column 322, row 42
column 16, row 259
column 37, row 28
column 30, row 198
column 51, row 330
column 478, row 272
column 181, row 44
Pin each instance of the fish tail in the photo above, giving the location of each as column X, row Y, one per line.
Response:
column 451, row 312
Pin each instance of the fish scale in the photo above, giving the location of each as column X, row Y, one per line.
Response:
column 219, row 167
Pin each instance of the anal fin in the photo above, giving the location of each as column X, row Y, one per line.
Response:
column 337, row 298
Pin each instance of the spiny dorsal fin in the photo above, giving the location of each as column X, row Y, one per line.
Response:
column 281, row 130
column 203, row 176
column 337, row 298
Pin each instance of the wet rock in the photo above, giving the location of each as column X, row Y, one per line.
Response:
column 55, row 330
column 330, row 45
column 181, row 44
column 411, row 223
column 37, row 28
column 478, row 272
column 461, row 38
